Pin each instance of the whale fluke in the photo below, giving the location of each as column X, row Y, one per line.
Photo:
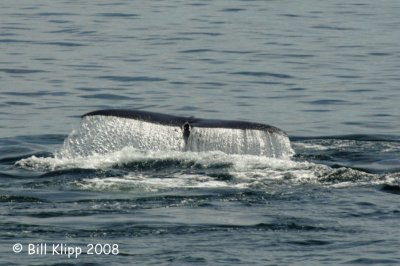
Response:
column 104, row 131
column 171, row 120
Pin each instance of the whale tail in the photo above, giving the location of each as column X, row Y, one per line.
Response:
column 105, row 131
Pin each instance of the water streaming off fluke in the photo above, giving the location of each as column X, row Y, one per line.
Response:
column 240, row 141
column 108, row 131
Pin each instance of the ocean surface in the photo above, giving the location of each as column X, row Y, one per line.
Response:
column 325, row 72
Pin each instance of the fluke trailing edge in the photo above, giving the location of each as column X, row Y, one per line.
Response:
column 105, row 131
column 186, row 123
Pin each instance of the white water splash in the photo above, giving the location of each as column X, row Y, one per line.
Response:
column 201, row 170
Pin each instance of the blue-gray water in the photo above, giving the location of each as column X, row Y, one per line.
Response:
column 326, row 72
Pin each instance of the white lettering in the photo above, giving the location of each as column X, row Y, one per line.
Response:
column 31, row 249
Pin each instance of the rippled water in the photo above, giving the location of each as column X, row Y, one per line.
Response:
column 326, row 72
